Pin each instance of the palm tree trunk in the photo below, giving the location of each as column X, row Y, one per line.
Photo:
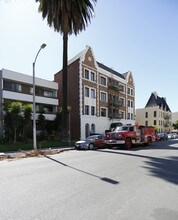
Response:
column 64, row 132
column 15, row 135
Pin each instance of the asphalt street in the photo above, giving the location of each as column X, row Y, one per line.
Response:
column 107, row 184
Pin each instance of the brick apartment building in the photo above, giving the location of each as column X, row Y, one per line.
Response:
column 97, row 95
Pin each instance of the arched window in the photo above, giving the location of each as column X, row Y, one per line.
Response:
column 87, row 130
column 93, row 128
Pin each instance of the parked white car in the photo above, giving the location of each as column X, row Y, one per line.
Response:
column 175, row 135
column 170, row 136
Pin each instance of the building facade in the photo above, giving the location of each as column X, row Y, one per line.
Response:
column 174, row 117
column 97, row 95
column 16, row 86
column 156, row 113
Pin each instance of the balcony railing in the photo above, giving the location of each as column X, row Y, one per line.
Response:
column 114, row 86
column 115, row 115
column 167, row 117
column 115, row 103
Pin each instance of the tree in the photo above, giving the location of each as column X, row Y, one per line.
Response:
column 66, row 17
column 27, row 122
column 14, row 111
column 175, row 125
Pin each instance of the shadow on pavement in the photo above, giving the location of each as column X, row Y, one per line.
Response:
column 164, row 167
column 105, row 179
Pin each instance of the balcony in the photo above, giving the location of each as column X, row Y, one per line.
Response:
column 167, row 117
column 113, row 103
column 114, row 86
column 115, row 115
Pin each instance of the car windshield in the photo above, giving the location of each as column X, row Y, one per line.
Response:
column 160, row 134
column 93, row 137
column 123, row 128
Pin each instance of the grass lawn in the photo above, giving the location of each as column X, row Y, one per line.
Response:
column 6, row 147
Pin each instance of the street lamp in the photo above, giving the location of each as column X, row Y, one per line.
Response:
column 34, row 112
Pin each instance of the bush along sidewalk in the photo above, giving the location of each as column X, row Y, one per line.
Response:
column 9, row 147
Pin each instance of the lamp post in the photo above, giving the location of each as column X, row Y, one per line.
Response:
column 34, row 111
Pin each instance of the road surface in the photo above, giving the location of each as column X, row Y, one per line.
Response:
column 107, row 184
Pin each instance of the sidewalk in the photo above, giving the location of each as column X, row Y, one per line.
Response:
column 33, row 153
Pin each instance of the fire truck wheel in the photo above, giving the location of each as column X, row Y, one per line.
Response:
column 149, row 141
column 128, row 143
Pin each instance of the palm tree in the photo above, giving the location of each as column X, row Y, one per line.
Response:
column 27, row 108
column 15, row 117
column 66, row 17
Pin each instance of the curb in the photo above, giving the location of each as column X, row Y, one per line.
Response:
column 33, row 153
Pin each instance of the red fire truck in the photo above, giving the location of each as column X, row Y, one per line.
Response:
column 128, row 135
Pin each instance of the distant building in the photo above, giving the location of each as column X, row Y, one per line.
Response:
column 174, row 117
column 156, row 113
column 97, row 95
column 16, row 86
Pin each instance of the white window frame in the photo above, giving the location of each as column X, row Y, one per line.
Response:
column 93, row 93
column 94, row 108
column 87, row 78
column 88, row 109
column 122, row 100
column 87, row 93
column 103, row 96
column 93, row 76
column 101, row 80
column 105, row 111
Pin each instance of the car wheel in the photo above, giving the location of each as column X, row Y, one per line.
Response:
column 91, row 146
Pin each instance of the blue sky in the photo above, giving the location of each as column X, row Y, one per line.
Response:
column 136, row 35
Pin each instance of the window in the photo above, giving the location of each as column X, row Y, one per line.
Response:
column 86, row 92
column 12, row 86
column 121, row 102
column 92, row 110
column 103, row 96
column 154, row 113
column 154, row 122
column 131, row 129
column 128, row 103
column 48, row 93
column 146, row 123
column 86, row 74
column 131, row 104
column 128, row 115
column 128, row 91
column 132, row 92
column 121, row 115
column 86, row 110
column 114, row 99
column 87, row 130
column 93, row 77
column 103, row 112
column 31, row 90
column 103, row 81
column 146, row 114
column 93, row 93
column 121, row 88
column 93, row 128
column 48, row 109
column 132, row 116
